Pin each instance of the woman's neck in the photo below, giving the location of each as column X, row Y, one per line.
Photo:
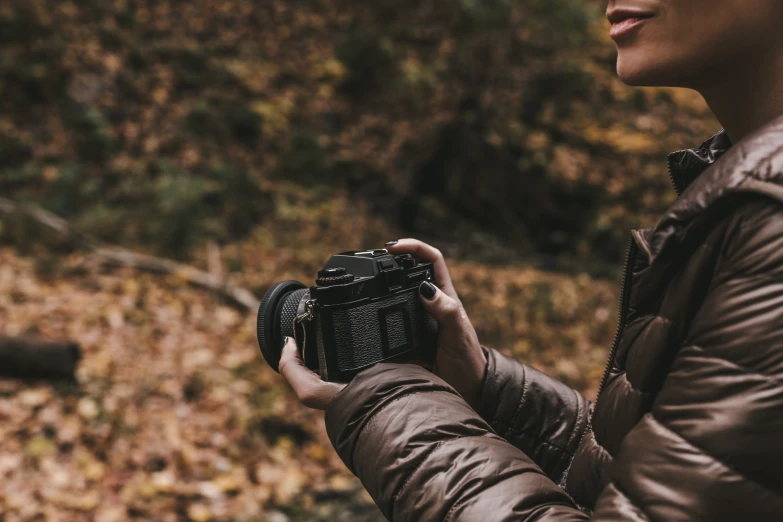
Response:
column 746, row 97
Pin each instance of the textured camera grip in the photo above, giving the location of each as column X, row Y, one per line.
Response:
column 376, row 331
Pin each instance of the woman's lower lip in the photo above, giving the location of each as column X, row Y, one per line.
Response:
column 620, row 28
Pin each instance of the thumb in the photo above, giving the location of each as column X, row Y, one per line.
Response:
column 308, row 386
column 443, row 308
column 293, row 368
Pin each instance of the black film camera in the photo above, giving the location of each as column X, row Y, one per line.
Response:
column 363, row 309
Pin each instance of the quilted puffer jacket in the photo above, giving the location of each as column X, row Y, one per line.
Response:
column 688, row 423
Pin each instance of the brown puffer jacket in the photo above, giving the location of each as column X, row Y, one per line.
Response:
column 688, row 424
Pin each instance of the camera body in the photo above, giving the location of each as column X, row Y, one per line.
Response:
column 364, row 309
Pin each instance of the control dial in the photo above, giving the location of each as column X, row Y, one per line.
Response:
column 406, row 261
column 333, row 276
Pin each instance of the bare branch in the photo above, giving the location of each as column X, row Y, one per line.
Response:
column 115, row 256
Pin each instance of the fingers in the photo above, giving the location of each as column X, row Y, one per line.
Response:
column 309, row 388
column 460, row 361
column 424, row 252
column 442, row 307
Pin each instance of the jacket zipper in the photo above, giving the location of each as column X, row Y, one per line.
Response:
column 630, row 253
column 671, row 173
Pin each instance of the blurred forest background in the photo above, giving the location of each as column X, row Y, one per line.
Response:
column 250, row 141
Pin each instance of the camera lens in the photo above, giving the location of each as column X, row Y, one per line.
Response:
column 275, row 318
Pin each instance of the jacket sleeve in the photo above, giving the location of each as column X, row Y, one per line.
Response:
column 425, row 456
column 710, row 449
column 536, row 413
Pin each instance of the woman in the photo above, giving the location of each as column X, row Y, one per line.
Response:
column 688, row 424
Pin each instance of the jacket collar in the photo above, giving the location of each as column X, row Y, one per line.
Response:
column 712, row 172
column 686, row 165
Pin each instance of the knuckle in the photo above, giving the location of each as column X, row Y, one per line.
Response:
column 451, row 309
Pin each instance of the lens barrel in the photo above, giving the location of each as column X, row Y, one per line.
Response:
column 275, row 318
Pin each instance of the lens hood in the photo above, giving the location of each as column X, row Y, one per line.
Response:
column 270, row 329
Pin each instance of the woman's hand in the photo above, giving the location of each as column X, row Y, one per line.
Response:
column 459, row 359
column 308, row 386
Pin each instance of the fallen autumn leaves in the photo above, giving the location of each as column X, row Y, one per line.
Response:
column 174, row 416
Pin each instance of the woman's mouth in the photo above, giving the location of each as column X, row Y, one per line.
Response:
column 623, row 21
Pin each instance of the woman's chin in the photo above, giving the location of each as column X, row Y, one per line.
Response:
column 632, row 80
column 637, row 74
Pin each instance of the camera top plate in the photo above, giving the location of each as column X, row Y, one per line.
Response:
column 375, row 272
column 365, row 263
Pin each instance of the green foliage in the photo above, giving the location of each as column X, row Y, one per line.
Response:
column 71, row 191
column 111, row 39
column 245, row 125
column 178, row 212
column 370, row 62
column 16, row 230
column 136, row 59
column 189, row 66
column 172, row 211
column 13, row 151
column 199, row 121
column 222, row 203
column 93, row 138
column 238, row 201
column 568, row 19
column 102, row 221
column 305, row 161
column 562, row 85
column 132, row 117
column 34, row 81
column 224, row 122
column 125, row 18
column 477, row 13
column 22, row 25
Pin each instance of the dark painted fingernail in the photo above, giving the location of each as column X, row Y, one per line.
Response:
column 392, row 243
column 427, row 290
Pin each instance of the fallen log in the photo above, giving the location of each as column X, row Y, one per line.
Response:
column 33, row 358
